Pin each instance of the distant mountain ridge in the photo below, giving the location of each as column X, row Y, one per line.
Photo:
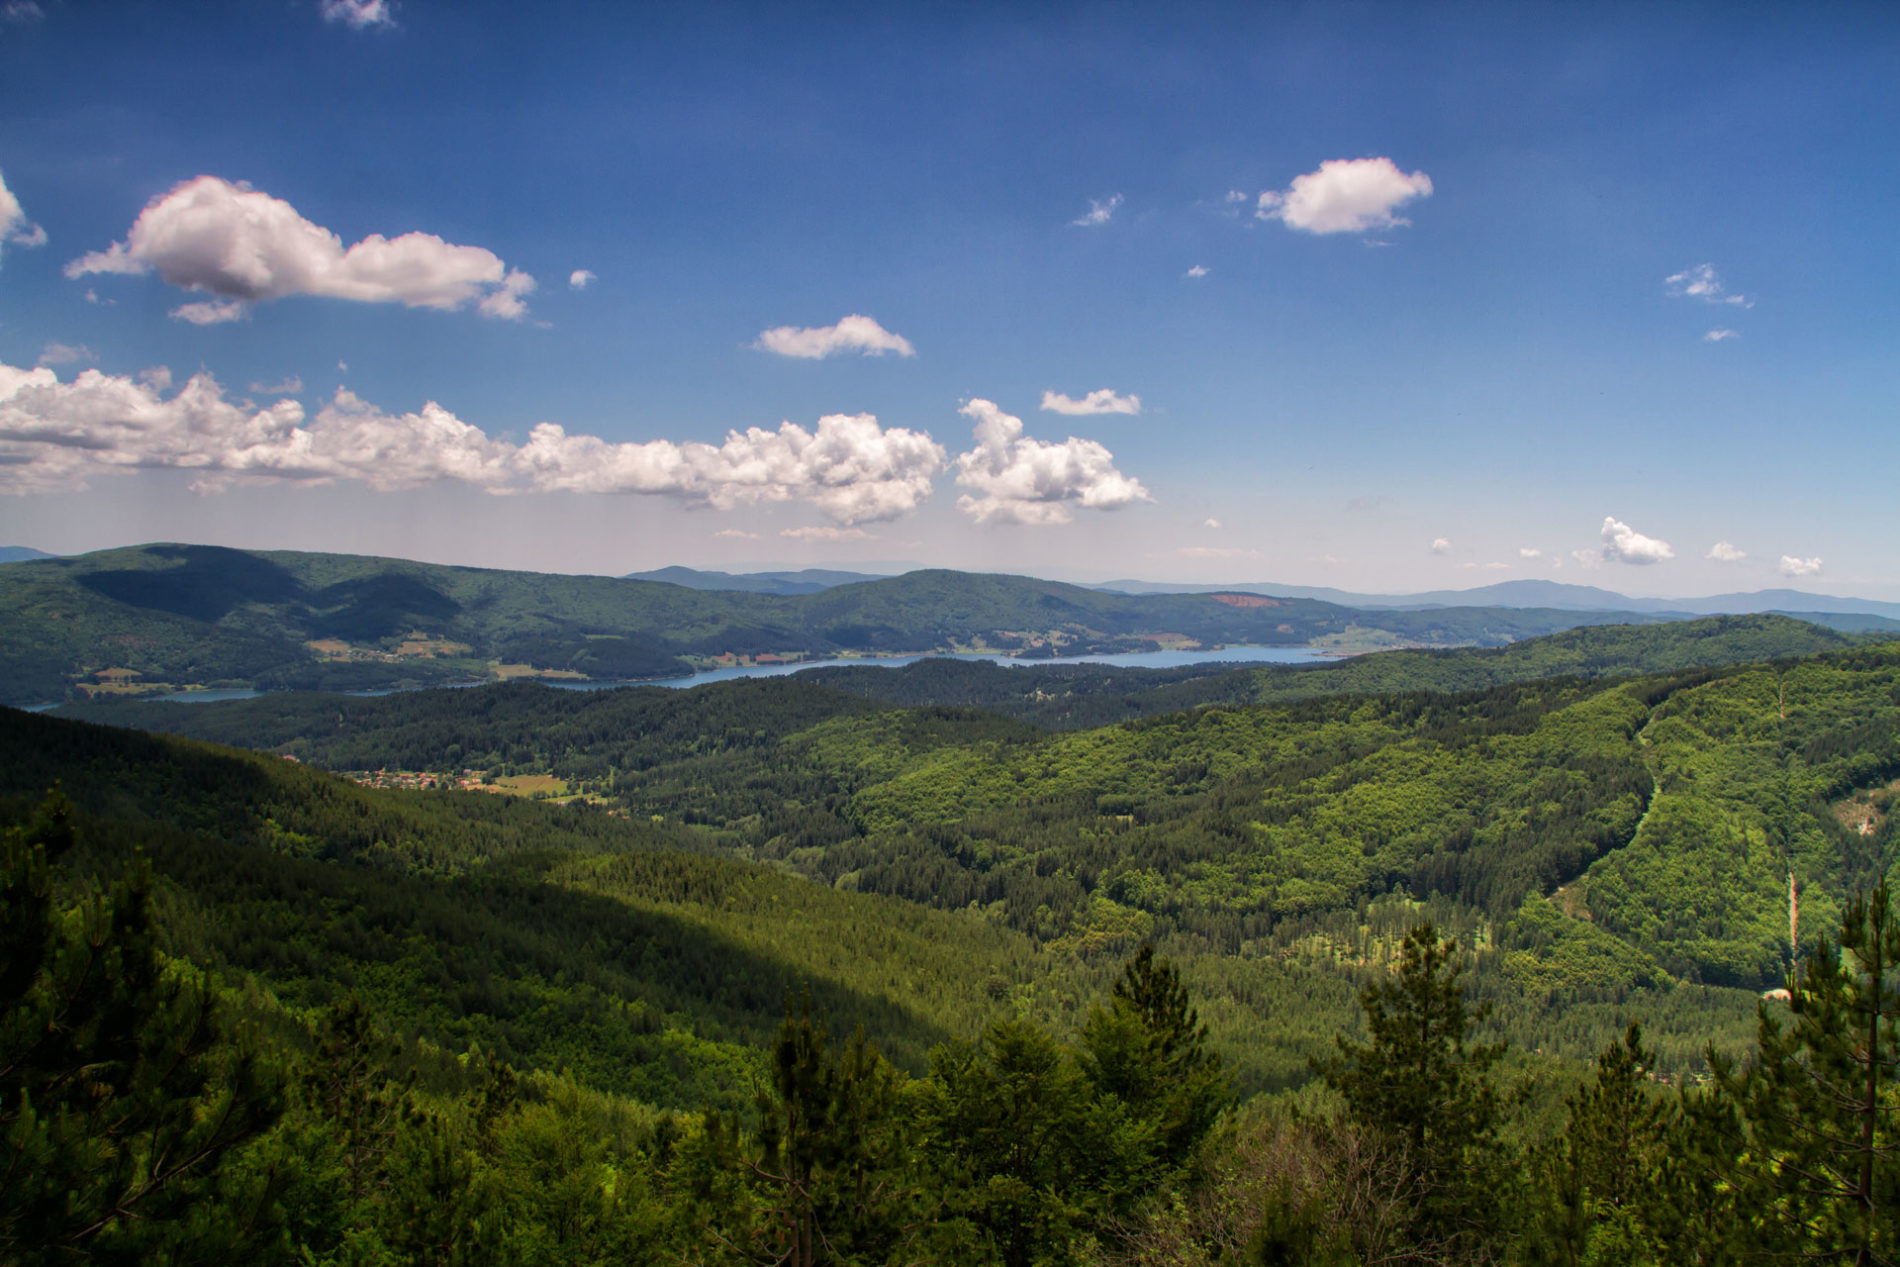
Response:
column 22, row 554
column 160, row 617
column 806, row 581
column 1550, row 594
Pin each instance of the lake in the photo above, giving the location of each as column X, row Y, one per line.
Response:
column 1130, row 659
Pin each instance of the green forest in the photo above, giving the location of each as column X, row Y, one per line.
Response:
column 1423, row 957
column 167, row 617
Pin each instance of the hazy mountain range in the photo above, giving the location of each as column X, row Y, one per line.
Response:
column 1543, row 594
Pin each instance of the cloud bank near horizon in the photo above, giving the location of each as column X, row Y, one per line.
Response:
column 57, row 436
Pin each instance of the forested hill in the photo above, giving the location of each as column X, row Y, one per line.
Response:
column 554, row 1030
column 1236, row 826
column 178, row 615
column 582, row 734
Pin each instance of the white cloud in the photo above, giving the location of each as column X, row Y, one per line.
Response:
column 1199, row 270
column 1529, row 552
column 1346, row 195
column 288, row 387
column 1702, row 282
column 1724, row 552
column 246, row 247
column 20, row 12
column 1488, row 567
column 1210, row 523
column 66, row 354
column 739, row 533
column 358, row 14
column 211, row 312
column 821, row 532
column 505, row 301
column 1032, row 481
column 854, row 333
column 1100, row 211
column 1791, row 566
column 1441, row 545
column 14, row 226
column 56, row 436
column 1717, row 336
column 581, row 277
column 1099, row 401
column 1623, row 544
column 850, row 468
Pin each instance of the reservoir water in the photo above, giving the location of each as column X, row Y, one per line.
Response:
column 1133, row 659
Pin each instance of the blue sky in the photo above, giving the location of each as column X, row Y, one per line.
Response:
column 1378, row 296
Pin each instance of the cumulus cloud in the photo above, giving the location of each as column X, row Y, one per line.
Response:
column 1346, row 195
column 358, row 14
column 1441, row 545
column 55, row 353
column 580, row 278
column 245, row 247
column 288, row 387
column 1210, row 522
column 1028, row 481
column 1100, row 211
column 1099, row 401
column 854, row 333
column 1725, row 552
column 1791, row 566
column 14, row 226
column 1199, row 270
column 57, row 436
column 1717, row 336
column 739, row 533
column 1704, row 283
column 824, row 532
column 1623, row 544
column 1529, row 552
column 853, row 470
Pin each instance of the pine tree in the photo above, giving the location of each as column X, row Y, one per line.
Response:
column 1819, row 1100
column 1418, row 1086
column 118, row 1099
column 830, row 1146
column 1600, row 1181
column 1148, row 1047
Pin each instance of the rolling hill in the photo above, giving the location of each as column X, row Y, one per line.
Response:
column 171, row 616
